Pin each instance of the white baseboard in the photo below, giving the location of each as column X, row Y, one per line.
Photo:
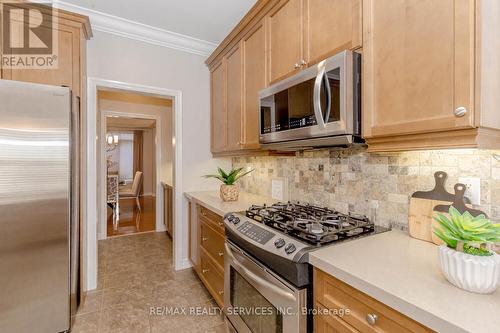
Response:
column 186, row 263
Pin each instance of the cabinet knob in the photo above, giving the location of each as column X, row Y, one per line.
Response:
column 221, row 292
column 297, row 66
column 460, row 111
column 371, row 318
column 204, row 239
column 205, row 271
column 221, row 254
column 220, row 224
column 302, row 63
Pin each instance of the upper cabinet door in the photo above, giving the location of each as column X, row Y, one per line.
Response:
column 284, row 38
column 254, row 79
column 234, row 85
column 218, row 107
column 418, row 66
column 331, row 26
column 67, row 72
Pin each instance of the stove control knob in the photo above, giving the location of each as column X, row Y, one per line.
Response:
column 280, row 242
column 236, row 220
column 290, row 248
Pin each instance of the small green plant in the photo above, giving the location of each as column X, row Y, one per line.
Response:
column 474, row 234
column 231, row 177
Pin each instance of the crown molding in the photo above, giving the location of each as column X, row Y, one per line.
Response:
column 138, row 31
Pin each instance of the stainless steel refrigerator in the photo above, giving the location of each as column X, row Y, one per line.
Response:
column 39, row 210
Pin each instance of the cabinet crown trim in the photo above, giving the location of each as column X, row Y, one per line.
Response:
column 142, row 32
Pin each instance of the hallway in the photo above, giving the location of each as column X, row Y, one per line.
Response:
column 131, row 220
column 135, row 274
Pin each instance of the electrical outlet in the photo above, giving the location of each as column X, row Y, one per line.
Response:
column 473, row 191
column 278, row 189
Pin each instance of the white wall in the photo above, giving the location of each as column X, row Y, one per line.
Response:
column 120, row 59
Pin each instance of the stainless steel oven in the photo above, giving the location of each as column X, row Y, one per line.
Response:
column 258, row 300
column 320, row 106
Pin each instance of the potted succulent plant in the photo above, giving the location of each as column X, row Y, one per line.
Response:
column 466, row 258
column 229, row 189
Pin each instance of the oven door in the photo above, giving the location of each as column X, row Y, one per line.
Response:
column 316, row 102
column 256, row 300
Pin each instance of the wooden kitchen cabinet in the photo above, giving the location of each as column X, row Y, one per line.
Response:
column 168, row 208
column 234, row 92
column 235, row 83
column 304, row 32
column 73, row 31
column 207, row 239
column 423, row 89
column 218, row 108
column 253, row 47
column 284, row 33
column 330, row 26
column 365, row 313
column 276, row 39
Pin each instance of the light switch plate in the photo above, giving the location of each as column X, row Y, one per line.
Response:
column 473, row 191
column 279, row 189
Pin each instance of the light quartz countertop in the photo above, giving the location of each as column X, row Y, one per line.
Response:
column 212, row 201
column 404, row 273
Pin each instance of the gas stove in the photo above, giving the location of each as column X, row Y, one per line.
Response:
column 282, row 235
column 267, row 250
column 311, row 224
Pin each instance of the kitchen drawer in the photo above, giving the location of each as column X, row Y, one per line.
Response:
column 212, row 276
column 211, row 217
column 212, row 242
column 334, row 294
column 331, row 324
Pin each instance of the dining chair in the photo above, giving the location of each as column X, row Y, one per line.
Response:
column 135, row 191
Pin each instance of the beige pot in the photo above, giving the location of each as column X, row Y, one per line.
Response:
column 229, row 192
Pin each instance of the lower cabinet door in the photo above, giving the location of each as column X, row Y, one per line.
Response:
column 212, row 242
column 212, row 277
column 331, row 324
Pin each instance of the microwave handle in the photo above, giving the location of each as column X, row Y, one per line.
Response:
column 318, row 113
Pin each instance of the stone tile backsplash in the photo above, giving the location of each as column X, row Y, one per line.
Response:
column 378, row 185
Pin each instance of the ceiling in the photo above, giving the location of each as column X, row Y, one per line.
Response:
column 122, row 123
column 208, row 20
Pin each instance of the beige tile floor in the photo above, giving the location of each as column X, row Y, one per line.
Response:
column 136, row 274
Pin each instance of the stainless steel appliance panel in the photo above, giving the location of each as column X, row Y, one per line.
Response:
column 256, row 300
column 34, row 207
column 75, row 207
column 316, row 103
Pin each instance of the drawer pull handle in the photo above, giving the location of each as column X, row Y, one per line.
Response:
column 371, row 318
column 203, row 213
column 221, row 292
column 204, row 239
column 221, row 224
column 205, row 271
column 221, row 254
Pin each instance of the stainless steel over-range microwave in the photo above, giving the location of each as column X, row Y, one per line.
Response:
column 318, row 107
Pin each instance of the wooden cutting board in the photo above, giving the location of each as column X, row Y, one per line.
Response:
column 459, row 202
column 422, row 203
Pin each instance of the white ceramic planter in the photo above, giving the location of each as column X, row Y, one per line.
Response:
column 472, row 273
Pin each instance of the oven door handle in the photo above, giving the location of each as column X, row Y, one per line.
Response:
column 256, row 279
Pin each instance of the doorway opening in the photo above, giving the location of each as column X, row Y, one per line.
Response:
column 169, row 161
column 131, row 175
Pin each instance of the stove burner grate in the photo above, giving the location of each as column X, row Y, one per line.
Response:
column 315, row 225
